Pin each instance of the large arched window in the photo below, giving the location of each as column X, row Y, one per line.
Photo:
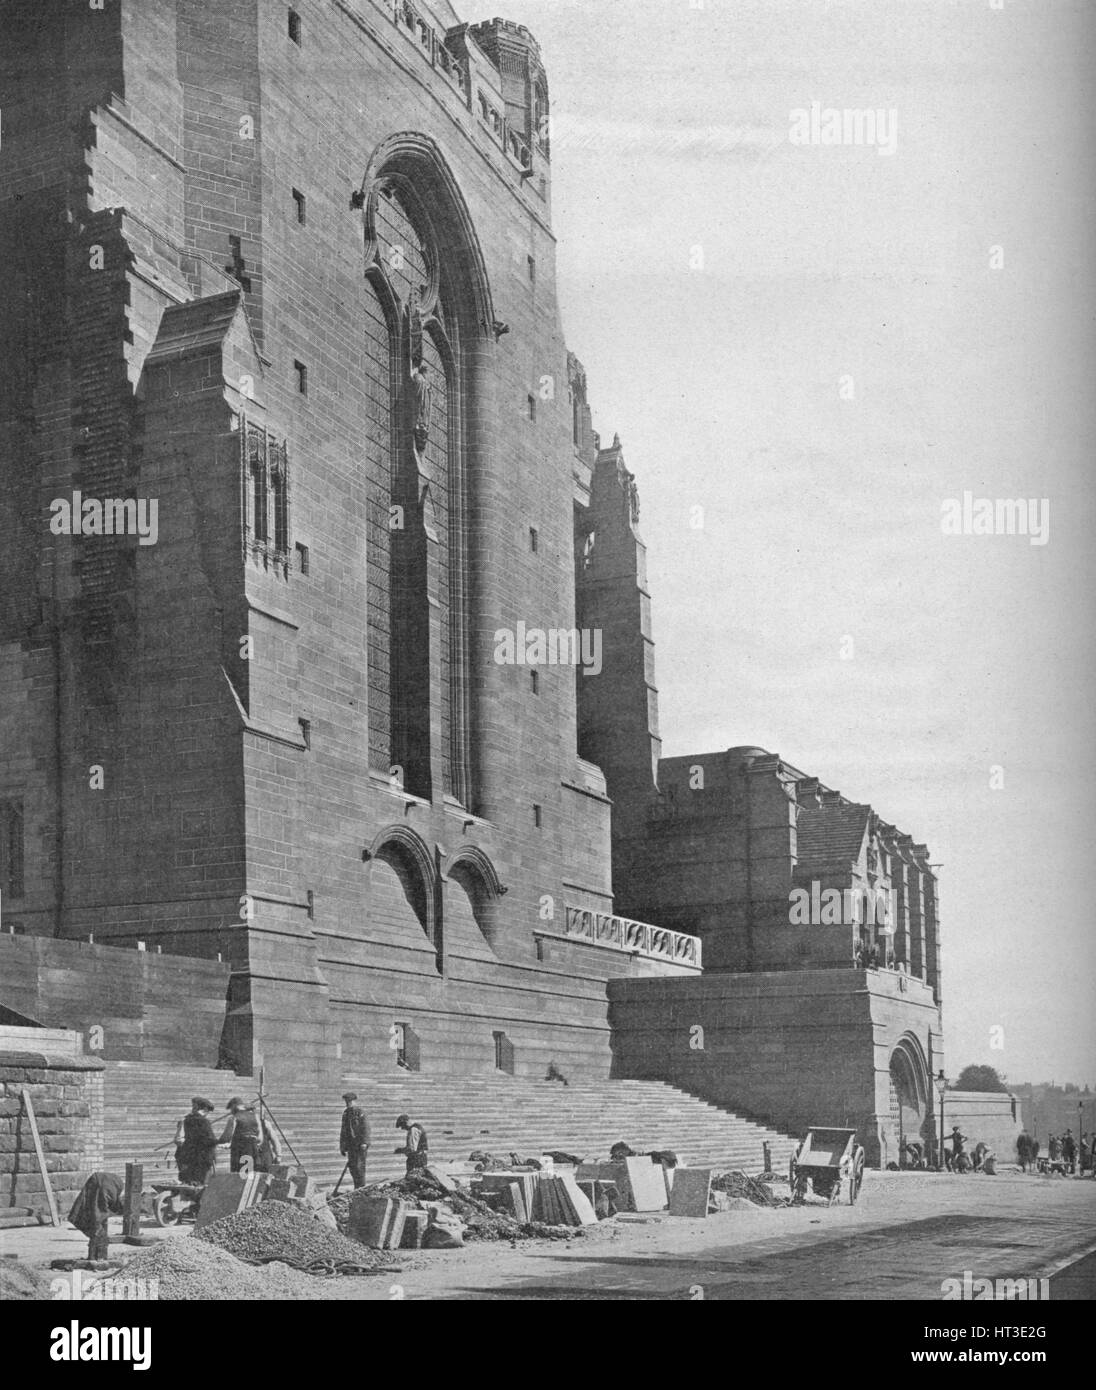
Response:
column 417, row 617
column 430, row 337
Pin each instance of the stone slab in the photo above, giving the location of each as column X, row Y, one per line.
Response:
column 691, row 1191
column 371, row 1220
column 583, row 1209
column 641, row 1183
column 222, row 1197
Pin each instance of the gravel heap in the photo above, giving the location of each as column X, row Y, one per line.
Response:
column 190, row 1269
column 277, row 1231
column 738, row 1184
column 19, row 1282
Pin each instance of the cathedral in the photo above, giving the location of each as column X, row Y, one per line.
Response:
column 329, row 719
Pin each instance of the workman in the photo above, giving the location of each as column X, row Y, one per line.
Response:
column 253, row 1147
column 414, row 1148
column 354, row 1138
column 197, row 1153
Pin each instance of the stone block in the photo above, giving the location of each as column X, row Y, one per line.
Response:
column 691, row 1191
column 222, row 1197
column 371, row 1219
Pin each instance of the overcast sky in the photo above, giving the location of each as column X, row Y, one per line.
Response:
column 725, row 370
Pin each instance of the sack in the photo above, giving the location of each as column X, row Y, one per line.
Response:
column 445, row 1232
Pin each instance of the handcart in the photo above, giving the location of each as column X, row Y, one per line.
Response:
column 172, row 1202
column 828, row 1161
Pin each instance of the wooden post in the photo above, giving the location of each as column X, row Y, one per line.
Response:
column 54, row 1219
column 767, row 1156
column 131, row 1209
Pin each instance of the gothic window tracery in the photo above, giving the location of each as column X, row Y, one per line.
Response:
column 415, row 479
column 265, row 488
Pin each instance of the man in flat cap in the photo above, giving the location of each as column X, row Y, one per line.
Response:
column 197, row 1151
column 354, row 1138
column 414, row 1148
column 253, row 1146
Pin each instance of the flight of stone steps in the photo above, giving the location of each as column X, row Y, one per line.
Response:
column 143, row 1103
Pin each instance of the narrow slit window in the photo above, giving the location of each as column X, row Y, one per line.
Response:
column 279, row 487
column 300, row 203
column 11, row 848
column 294, row 28
column 538, row 816
column 534, row 539
column 300, row 371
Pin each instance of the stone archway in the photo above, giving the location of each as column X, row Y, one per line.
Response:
column 911, row 1114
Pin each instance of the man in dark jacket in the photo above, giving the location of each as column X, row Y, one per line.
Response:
column 354, row 1138
column 248, row 1137
column 100, row 1198
column 196, row 1154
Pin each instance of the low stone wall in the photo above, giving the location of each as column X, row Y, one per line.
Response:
column 789, row 1048
column 985, row 1117
column 150, row 1007
column 67, row 1095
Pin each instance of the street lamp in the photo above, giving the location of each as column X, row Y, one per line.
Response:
column 941, row 1086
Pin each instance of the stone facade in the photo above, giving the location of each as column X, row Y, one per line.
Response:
column 279, row 734
column 372, row 717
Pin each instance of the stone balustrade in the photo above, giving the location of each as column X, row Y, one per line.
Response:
column 639, row 938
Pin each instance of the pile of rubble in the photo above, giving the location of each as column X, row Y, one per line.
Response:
column 437, row 1198
column 753, row 1190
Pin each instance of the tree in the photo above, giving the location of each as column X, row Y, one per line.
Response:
column 979, row 1078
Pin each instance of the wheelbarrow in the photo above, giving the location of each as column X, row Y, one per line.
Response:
column 171, row 1202
column 829, row 1162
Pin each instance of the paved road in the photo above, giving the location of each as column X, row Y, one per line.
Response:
column 908, row 1233
column 909, row 1260
column 1030, row 1231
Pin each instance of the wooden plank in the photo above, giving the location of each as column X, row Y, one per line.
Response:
column 517, row 1201
column 54, row 1218
column 131, row 1203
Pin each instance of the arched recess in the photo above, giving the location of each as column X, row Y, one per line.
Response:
column 425, row 266
column 475, row 874
column 912, row 1089
column 408, row 856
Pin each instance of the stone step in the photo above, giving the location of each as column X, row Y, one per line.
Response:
column 501, row 1113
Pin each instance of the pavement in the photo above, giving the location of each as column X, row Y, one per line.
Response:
column 908, row 1233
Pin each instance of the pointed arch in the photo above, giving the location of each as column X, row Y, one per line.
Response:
column 476, row 875
column 409, row 855
column 424, row 261
column 419, row 158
